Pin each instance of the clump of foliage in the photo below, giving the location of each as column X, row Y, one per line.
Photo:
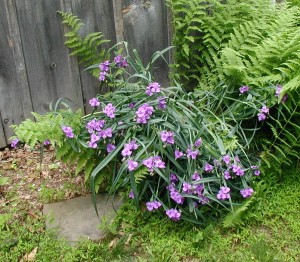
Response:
column 236, row 42
column 155, row 141
column 225, row 45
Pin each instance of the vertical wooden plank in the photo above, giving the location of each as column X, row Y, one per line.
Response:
column 146, row 29
column 10, row 95
column 118, row 19
column 3, row 142
column 50, row 73
column 21, row 73
column 97, row 16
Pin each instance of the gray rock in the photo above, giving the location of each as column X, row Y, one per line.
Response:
column 76, row 218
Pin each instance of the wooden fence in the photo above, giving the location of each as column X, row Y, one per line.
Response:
column 35, row 66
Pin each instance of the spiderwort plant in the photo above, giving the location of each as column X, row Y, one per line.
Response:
column 169, row 161
column 160, row 146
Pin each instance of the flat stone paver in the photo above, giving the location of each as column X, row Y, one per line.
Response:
column 76, row 218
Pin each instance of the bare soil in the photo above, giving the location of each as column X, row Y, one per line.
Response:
column 24, row 177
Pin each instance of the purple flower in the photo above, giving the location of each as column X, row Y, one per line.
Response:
column 167, row 137
column 261, row 116
column 208, row 167
column 129, row 147
column 153, row 88
column 171, row 187
column 187, row 188
column 104, row 66
column 14, row 142
column 110, row 148
column 247, row 192
column 46, row 142
column 199, row 189
column 131, row 195
column 263, row 113
column 237, row 170
column 227, row 175
column 131, row 105
column 192, row 153
column 157, row 161
column 203, row 200
column 132, row 165
column 223, row 193
column 196, row 176
column 173, row 214
column 143, row 113
column 109, row 110
column 106, row 133
column 94, row 102
column 179, row 199
column 277, row 94
column 257, row 172
column 102, row 76
column 226, row 159
column 152, row 162
column 198, row 142
column 120, row 61
column 162, row 103
column 244, row 89
column 68, row 131
column 95, row 125
column 153, row 205
column 93, row 141
column 265, row 110
column 178, row 154
column 173, row 178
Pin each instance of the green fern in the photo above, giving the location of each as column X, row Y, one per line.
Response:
column 90, row 49
column 240, row 214
column 140, row 174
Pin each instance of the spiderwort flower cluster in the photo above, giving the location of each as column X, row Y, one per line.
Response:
column 154, row 161
column 132, row 165
column 129, row 148
column 144, row 113
column 173, row 214
column 109, row 110
column 46, row 142
column 167, row 137
column 247, row 192
column 14, row 142
column 68, row 131
column 178, row 154
column 223, row 193
column 162, row 103
column 94, row 102
column 110, row 148
column 153, row 88
column 104, row 68
column 263, row 113
column 120, row 61
column 244, row 89
column 153, row 205
column 95, row 125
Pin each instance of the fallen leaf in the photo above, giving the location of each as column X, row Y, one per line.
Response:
column 29, row 256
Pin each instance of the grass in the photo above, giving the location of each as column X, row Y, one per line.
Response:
column 269, row 230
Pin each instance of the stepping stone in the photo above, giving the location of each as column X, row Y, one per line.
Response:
column 76, row 218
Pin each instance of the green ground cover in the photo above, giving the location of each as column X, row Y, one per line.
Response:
column 270, row 231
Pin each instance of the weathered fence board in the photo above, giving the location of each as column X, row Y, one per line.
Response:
column 49, row 73
column 35, row 66
column 10, row 95
column 146, row 29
